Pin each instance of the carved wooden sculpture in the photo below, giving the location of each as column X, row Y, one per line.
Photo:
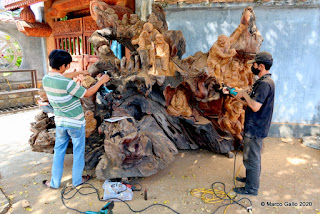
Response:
column 219, row 55
column 178, row 105
column 231, row 76
column 102, row 5
column 247, row 37
column 233, row 118
column 146, row 45
column 135, row 26
column 162, row 54
column 153, row 19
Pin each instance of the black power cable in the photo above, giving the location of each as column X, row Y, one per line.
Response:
column 232, row 201
column 66, row 190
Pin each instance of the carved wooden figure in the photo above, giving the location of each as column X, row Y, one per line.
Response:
column 96, row 6
column 249, row 74
column 153, row 19
column 136, row 26
column 147, row 36
column 233, row 118
column 146, row 44
column 245, row 76
column 162, row 54
column 219, row 55
column 179, row 105
column 247, row 38
column 231, row 75
column 122, row 26
column 201, row 91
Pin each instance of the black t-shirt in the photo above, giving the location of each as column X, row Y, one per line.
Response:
column 257, row 124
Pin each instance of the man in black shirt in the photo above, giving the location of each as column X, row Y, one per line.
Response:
column 257, row 121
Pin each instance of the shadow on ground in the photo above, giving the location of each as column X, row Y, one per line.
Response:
column 290, row 173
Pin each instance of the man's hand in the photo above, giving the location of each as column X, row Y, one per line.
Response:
column 254, row 105
column 91, row 91
column 240, row 93
column 225, row 90
column 105, row 78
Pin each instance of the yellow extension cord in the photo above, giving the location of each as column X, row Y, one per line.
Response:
column 8, row 83
column 204, row 194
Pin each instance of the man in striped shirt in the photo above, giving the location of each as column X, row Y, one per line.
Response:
column 64, row 96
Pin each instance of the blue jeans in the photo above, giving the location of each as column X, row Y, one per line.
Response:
column 63, row 135
column 47, row 108
column 252, row 161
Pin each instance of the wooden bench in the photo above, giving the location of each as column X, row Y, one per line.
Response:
column 34, row 83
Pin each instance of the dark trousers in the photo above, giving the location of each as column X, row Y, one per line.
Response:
column 252, row 161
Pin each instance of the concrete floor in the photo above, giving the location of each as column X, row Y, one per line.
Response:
column 290, row 173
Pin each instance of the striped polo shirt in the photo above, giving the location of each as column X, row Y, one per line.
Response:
column 64, row 96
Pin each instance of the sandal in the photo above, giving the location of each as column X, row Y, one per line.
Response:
column 241, row 179
column 86, row 178
column 46, row 184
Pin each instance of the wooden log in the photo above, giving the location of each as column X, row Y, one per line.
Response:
column 135, row 150
column 94, row 150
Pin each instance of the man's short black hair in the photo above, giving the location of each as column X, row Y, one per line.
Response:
column 57, row 58
column 266, row 65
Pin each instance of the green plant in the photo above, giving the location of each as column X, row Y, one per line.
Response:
column 64, row 19
column 15, row 13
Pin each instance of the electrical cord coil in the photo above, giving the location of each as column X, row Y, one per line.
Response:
column 213, row 195
column 204, row 194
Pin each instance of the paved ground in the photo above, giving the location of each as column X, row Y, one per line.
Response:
column 290, row 176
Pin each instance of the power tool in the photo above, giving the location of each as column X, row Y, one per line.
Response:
column 104, row 86
column 231, row 90
column 107, row 209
